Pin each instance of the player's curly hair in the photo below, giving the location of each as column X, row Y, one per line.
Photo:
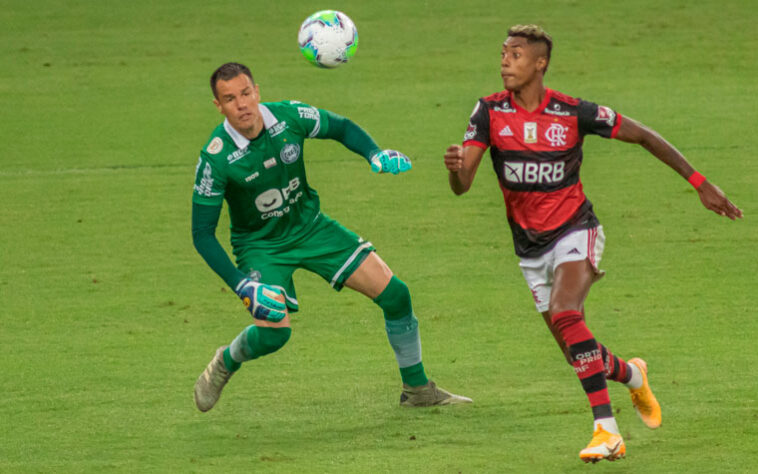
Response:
column 229, row 71
column 533, row 34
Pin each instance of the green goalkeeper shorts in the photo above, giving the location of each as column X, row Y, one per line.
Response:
column 329, row 250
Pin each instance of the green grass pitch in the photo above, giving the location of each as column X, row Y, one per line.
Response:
column 107, row 314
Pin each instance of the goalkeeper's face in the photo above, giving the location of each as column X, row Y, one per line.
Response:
column 238, row 100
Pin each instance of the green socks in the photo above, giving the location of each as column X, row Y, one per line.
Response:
column 402, row 331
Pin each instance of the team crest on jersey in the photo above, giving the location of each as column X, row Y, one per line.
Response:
column 215, row 146
column 530, row 132
column 506, row 132
column 605, row 114
column 556, row 135
column 290, row 153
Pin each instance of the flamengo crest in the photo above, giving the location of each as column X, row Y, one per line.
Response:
column 556, row 134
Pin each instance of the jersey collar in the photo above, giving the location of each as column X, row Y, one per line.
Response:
column 539, row 109
column 268, row 121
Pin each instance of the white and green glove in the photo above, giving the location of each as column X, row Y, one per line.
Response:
column 390, row 161
column 261, row 300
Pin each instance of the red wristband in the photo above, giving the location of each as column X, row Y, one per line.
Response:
column 696, row 179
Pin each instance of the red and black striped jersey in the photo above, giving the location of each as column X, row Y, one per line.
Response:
column 536, row 156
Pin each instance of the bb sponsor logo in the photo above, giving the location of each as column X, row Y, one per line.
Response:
column 290, row 153
column 530, row 132
column 506, row 132
column 605, row 114
column 215, row 146
column 532, row 173
column 252, row 177
column 270, row 163
column 556, row 134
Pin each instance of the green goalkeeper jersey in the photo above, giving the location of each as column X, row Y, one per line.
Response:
column 263, row 180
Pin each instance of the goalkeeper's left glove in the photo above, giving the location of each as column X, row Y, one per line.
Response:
column 263, row 301
column 390, row 161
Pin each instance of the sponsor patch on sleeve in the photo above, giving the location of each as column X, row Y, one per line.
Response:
column 605, row 114
column 470, row 132
column 215, row 146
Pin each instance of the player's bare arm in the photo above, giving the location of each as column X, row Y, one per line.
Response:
column 462, row 163
column 710, row 195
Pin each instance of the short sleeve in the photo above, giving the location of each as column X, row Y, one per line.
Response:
column 478, row 131
column 597, row 120
column 210, row 182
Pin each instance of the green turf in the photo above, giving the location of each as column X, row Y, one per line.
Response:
column 108, row 315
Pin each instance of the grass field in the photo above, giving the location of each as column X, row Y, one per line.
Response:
column 107, row 314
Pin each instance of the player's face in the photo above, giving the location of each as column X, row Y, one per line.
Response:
column 238, row 100
column 520, row 63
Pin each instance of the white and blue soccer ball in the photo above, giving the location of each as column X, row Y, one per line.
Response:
column 328, row 38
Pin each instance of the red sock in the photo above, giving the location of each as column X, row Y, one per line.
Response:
column 616, row 368
column 587, row 360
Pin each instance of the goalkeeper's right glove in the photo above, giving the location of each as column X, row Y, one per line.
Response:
column 390, row 161
column 263, row 301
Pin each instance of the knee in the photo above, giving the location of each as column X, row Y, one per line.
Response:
column 395, row 300
column 271, row 339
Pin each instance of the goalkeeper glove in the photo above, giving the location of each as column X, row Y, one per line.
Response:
column 261, row 300
column 390, row 161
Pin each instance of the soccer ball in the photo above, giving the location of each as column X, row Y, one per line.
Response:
column 328, row 38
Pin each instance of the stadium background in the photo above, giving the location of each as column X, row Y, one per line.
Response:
column 107, row 314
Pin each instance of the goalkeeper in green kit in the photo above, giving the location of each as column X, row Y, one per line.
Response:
column 254, row 160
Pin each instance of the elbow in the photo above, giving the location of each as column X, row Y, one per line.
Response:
column 460, row 188
column 196, row 240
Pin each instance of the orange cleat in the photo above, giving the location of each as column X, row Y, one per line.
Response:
column 645, row 404
column 604, row 445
